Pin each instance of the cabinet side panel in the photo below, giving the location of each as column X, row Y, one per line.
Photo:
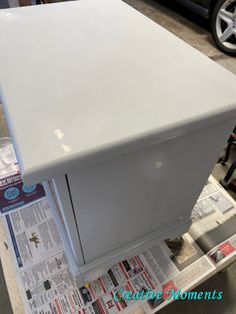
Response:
column 126, row 198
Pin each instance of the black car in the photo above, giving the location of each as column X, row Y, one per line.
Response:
column 222, row 14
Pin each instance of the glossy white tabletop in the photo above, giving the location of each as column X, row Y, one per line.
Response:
column 79, row 79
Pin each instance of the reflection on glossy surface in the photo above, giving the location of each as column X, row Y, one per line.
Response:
column 158, row 164
column 66, row 148
column 59, row 134
column 8, row 16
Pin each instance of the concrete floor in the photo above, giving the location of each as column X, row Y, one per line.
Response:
column 5, row 305
column 194, row 30
column 185, row 24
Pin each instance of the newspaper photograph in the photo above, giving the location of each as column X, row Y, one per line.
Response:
column 223, row 252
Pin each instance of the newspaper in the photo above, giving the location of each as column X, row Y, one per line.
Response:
column 48, row 287
column 213, row 227
column 223, row 252
column 8, row 162
column 42, row 270
column 213, row 200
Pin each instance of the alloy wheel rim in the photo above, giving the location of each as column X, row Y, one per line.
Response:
column 226, row 24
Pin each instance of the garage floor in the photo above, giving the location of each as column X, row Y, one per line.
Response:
column 195, row 31
column 184, row 24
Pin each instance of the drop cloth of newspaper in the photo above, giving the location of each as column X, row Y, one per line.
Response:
column 214, row 221
column 42, row 272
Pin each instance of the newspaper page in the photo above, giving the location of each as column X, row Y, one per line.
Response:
column 48, row 287
column 224, row 251
column 213, row 202
column 214, row 220
column 175, row 266
column 8, row 162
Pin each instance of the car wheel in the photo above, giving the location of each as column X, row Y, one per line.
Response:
column 223, row 25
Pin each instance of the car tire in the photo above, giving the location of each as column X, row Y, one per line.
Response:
column 223, row 26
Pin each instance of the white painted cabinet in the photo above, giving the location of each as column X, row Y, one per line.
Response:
column 123, row 119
